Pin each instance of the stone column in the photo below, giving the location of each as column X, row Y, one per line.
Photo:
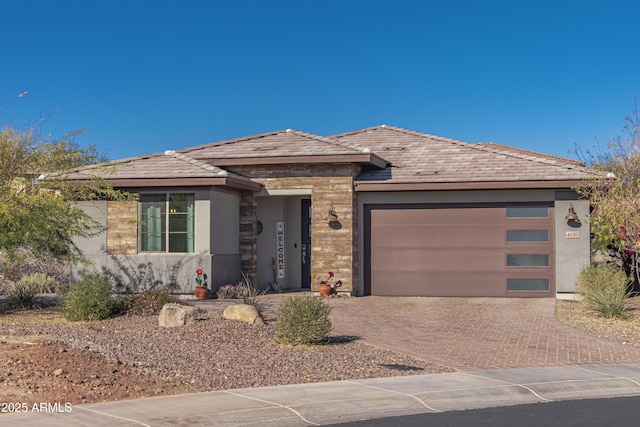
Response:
column 248, row 236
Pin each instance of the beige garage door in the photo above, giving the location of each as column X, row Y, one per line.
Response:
column 472, row 250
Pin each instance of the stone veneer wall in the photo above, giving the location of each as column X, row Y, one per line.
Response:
column 248, row 236
column 332, row 248
column 122, row 228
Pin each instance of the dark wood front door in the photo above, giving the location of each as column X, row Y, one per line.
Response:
column 305, row 246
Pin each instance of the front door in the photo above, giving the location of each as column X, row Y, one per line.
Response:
column 305, row 246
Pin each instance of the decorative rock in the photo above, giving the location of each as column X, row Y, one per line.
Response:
column 243, row 313
column 173, row 314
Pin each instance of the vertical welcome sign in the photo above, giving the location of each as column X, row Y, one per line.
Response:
column 280, row 248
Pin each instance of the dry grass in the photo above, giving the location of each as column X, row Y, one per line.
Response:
column 625, row 330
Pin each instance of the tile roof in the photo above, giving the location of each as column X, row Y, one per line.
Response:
column 169, row 165
column 393, row 155
column 281, row 143
column 422, row 158
column 532, row 154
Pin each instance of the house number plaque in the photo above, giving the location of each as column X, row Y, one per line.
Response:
column 572, row 235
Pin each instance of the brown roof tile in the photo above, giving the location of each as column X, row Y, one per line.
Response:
column 422, row 158
column 282, row 143
column 166, row 166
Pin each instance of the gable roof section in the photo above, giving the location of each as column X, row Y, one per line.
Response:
column 283, row 147
column 163, row 169
column 423, row 161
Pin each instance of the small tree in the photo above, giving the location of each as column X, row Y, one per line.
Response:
column 37, row 207
column 615, row 196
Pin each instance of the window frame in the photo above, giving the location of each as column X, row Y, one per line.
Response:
column 167, row 230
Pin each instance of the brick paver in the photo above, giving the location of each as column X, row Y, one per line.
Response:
column 475, row 333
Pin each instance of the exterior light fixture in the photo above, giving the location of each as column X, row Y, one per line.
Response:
column 332, row 214
column 572, row 216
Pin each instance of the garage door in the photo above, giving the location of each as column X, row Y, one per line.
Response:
column 470, row 250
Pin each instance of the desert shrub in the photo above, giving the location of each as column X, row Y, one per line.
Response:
column 249, row 294
column 303, row 320
column 21, row 296
column 227, row 292
column 603, row 289
column 39, row 283
column 147, row 303
column 89, row 299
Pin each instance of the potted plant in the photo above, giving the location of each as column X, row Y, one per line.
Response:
column 201, row 290
column 327, row 285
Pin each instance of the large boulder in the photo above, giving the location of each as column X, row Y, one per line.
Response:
column 243, row 313
column 173, row 314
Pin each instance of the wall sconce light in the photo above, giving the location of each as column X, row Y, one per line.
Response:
column 333, row 216
column 572, row 216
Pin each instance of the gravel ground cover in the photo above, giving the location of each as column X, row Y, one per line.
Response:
column 45, row 358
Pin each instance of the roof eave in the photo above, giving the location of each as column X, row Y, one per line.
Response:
column 361, row 158
column 229, row 182
column 482, row 185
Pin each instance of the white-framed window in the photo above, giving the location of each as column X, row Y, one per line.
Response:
column 166, row 222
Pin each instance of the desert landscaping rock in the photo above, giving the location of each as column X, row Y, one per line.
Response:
column 243, row 313
column 173, row 314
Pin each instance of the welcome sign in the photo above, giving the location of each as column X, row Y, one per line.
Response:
column 280, row 248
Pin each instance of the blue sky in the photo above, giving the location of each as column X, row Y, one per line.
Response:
column 146, row 76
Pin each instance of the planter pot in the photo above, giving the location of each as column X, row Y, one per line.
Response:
column 325, row 290
column 201, row 292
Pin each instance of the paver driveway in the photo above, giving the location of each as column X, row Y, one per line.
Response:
column 474, row 333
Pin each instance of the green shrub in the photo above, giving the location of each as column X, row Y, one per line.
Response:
column 89, row 299
column 303, row 320
column 147, row 303
column 603, row 289
column 39, row 283
column 21, row 296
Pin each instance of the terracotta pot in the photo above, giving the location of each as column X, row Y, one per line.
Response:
column 325, row 290
column 201, row 292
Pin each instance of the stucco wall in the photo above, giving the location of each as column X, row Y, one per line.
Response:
column 573, row 243
column 113, row 250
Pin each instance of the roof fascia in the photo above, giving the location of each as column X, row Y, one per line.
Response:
column 231, row 182
column 364, row 158
column 491, row 185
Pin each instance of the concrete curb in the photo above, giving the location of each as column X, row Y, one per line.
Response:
column 342, row 401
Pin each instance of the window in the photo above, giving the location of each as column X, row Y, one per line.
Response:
column 527, row 260
column 167, row 222
column 529, row 236
column 527, row 284
column 527, row 211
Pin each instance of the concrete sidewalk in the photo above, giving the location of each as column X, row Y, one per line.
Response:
column 337, row 402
